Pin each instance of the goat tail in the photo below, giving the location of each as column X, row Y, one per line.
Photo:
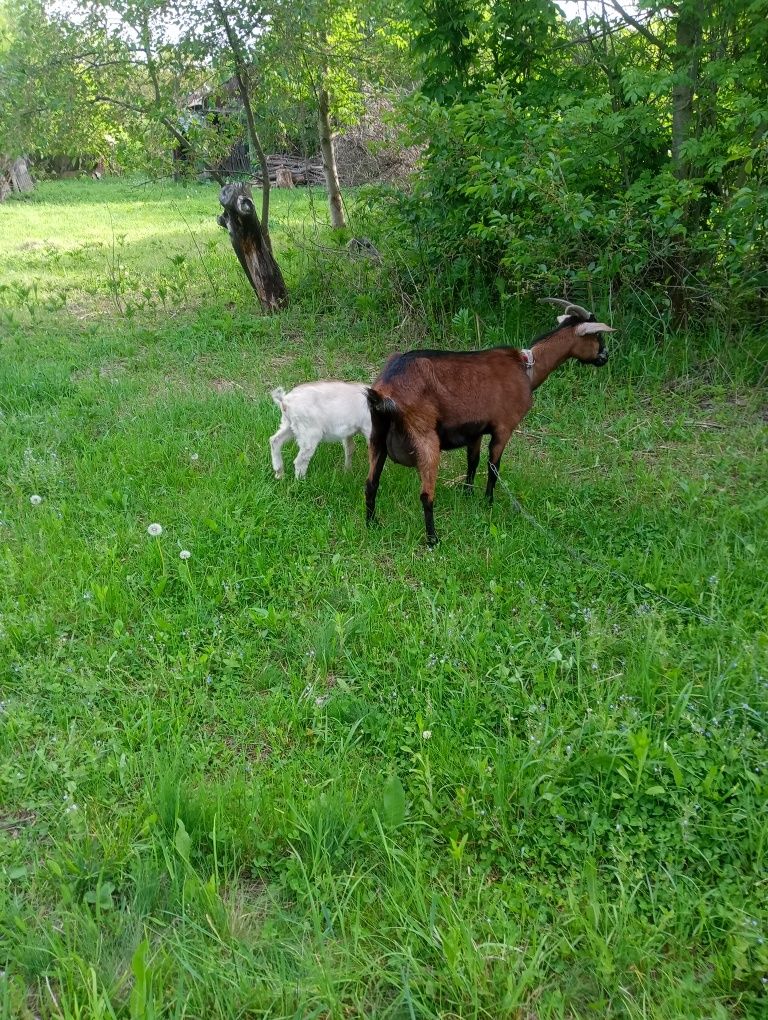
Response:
column 380, row 405
column 278, row 395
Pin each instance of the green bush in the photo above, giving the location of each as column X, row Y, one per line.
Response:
column 513, row 201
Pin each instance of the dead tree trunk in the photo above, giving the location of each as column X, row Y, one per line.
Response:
column 255, row 255
column 20, row 178
column 329, row 159
column 14, row 176
column 241, row 78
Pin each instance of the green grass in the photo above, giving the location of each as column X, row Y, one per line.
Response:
column 320, row 771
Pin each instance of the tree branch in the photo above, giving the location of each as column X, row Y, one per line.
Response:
column 167, row 123
column 641, row 28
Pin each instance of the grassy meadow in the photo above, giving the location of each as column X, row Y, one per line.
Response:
column 317, row 771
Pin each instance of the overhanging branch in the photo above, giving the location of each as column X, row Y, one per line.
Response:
column 167, row 123
column 641, row 28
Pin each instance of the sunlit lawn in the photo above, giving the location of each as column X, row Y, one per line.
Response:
column 320, row 771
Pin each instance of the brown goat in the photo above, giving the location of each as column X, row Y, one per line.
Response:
column 427, row 401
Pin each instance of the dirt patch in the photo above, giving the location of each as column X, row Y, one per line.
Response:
column 247, row 905
column 292, row 335
column 224, row 385
column 14, row 823
column 113, row 368
column 278, row 361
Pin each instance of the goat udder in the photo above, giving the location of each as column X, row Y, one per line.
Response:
column 400, row 448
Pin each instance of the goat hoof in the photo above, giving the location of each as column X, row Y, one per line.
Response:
column 432, row 541
column 279, row 475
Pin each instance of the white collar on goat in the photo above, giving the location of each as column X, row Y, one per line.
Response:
column 528, row 361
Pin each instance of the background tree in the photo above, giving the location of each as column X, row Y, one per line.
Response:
column 326, row 53
column 131, row 65
column 624, row 150
column 45, row 92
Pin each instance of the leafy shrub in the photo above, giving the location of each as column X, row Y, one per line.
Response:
column 512, row 200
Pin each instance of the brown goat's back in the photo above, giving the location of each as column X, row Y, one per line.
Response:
column 455, row 388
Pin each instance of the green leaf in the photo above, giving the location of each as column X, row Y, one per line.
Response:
column 182, row 841
column 138, row 997
column 393, row 802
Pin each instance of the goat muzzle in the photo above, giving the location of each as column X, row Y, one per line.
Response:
column 602, row 356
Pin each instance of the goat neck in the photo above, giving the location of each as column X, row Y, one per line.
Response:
column 550, row 352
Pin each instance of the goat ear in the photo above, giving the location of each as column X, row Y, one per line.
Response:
column 585, row 328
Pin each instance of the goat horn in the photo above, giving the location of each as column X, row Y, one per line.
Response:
column 570, row 308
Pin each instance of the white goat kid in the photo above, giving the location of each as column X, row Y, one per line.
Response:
column 319, row 412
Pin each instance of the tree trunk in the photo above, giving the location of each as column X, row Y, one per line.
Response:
column 20, row 178
column 329, row 159
column 253, row 135
column 685, row 61
column 253, row 251
column 14, row 176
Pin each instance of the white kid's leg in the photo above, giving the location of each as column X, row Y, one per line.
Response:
column 349, row 449
column 276, row 443
column 307, row 446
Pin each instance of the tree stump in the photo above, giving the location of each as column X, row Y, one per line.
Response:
column 253, row 252
column 20, row 179
column 14, row 176
column 284, row 178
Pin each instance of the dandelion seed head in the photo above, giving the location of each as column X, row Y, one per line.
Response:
column 184, row 554
column 426, row 735
column 35, row 500
column 194, row 456
column 155, row 530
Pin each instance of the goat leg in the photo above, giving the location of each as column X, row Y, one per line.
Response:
column 499, row 441
column 428, row 460
column 377, row 455
column 473, row 459
column 349, row 449
column 276, row 443
column 428, row 503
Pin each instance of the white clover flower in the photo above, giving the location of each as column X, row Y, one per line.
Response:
column 35, row 500
column 184, row 554
column 426, row 735
column 155, row 530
